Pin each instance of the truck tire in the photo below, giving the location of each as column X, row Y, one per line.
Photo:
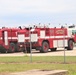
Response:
column 53, row 49
column 12, row 48
column 3, row 51
column 70, row 45
column 18, row 49
column 45, row 47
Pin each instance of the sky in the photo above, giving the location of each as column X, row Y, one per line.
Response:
column 29, row 12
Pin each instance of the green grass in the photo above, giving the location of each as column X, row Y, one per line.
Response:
column 47, row 59
column 17, row 64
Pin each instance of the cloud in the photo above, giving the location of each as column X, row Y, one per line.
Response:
column 35, row 6
column 32, row 11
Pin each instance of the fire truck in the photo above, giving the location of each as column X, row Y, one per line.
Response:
column 45, row 38
column 11, row 39
column 8, row 40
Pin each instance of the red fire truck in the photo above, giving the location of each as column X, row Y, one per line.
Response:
column 8, row 40
column 42, row 39
column 12, row 39
column 45, row 38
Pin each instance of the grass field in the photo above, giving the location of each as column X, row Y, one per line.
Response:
column 17, row 64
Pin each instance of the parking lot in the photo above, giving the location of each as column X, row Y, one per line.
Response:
column 59, row 52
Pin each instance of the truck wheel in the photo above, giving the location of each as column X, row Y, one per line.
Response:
column 19, row 49
column 3, row 51
column 45, row 47
column 53, row 49
column 70, row 45
column 12, row 48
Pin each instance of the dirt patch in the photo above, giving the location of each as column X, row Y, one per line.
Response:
column 42, row 72
column 4, row 73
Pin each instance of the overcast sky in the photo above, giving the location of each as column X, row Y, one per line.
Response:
column 23, row 12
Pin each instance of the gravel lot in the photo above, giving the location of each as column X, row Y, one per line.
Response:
column 59, row 52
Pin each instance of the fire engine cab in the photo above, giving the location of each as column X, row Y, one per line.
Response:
column 72, row 31
column 8, row 40
column 45, row 38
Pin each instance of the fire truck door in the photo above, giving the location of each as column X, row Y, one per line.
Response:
column 5, row 36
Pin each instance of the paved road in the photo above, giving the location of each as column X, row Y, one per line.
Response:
column 59, row 52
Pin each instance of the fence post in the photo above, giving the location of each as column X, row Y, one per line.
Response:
column 30, row 45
